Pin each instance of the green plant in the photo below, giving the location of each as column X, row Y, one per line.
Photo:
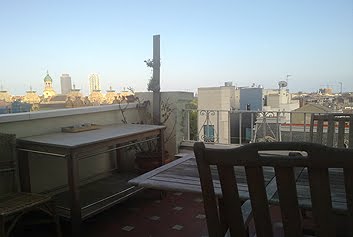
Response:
column 167, row 111
column 152, row 84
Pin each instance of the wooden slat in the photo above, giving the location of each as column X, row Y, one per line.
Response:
column 312, row 122
column 330, row 130
column 340, row 135
column 287, row 192
column 231, row 199
column 259, row 201
column 209, row 197
column 321, row 202
column 348, row 181
column 320, row 130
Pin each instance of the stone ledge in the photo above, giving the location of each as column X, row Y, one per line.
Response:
column 6, row 118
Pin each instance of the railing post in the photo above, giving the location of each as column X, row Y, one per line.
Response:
column 290, row 127
column 217, row 127
column 304, row 126
column 240, row 127
column 229, row 133
column 188, row 124
column 277, row 127
column 264, row 124
column 252, row 127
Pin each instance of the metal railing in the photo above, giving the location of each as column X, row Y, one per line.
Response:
column 243, row 126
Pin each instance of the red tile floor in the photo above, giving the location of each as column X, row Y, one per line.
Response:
column 146, row 215
column 176, row 214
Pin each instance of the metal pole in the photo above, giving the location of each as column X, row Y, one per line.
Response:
column 240, row 127
column 156, row 78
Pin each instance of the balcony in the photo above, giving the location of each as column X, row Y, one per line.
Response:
column 243, row 126
column 146, row 213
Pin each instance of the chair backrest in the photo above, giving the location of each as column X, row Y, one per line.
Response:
column 317, row 161
column 338, row 127
column 8, row 171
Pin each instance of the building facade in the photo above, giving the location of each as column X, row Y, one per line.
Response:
column 222, row 109
column 48, row 87
column 93, row 83
column 65, row 82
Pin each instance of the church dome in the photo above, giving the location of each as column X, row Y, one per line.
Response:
column 47, row 77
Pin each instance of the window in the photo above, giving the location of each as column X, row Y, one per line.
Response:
column 208, row 132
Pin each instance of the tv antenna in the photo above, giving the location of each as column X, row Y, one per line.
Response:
column 287, row 77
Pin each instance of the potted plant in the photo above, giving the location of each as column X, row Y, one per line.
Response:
column 147, row 154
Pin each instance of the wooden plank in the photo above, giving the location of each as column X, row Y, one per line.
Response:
column 141, row 178
column 320, row 130
column 311, row 131
column 321, row 202
column 259, row 201
column 330, row 130
column 287, row 192
column 193, row 181
column 209, row 198
column 348, row 181
column 233, row 212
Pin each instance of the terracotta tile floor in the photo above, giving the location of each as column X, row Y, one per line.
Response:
column 176, row 215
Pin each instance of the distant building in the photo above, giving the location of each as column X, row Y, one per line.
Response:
column 251, row 98
column 305, row 113
column 96, row 97
column 5, row 107
column 214, row 126
column 5, row 96
column 31, row 98
column 326, row 91
column 20, row 107
column 93, row 83
column 110, row 96
column 74, row 92
column 48, row 87
column 220, row 109
column 65, row 81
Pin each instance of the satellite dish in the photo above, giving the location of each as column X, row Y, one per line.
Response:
column 282, row 84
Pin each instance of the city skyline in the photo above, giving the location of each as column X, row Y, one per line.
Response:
column 202, row 43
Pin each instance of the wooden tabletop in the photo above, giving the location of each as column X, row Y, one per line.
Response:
column 182, row 175
column 103, row 133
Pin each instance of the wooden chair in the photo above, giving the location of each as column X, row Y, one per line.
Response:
column 317, row 161
column 13, row 204
column 335, row 126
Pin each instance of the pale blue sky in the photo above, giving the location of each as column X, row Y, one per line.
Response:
column 203, row 43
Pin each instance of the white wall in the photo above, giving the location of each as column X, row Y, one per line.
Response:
column 47, row 173
column 221, row 100
column 177, row 100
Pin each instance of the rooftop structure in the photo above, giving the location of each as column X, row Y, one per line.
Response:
column 65, row 81
column 93, row 82
column 48, row 91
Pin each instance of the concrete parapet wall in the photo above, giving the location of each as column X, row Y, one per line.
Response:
column 47, row 173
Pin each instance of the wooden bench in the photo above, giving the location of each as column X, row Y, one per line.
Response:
column 318, row 160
